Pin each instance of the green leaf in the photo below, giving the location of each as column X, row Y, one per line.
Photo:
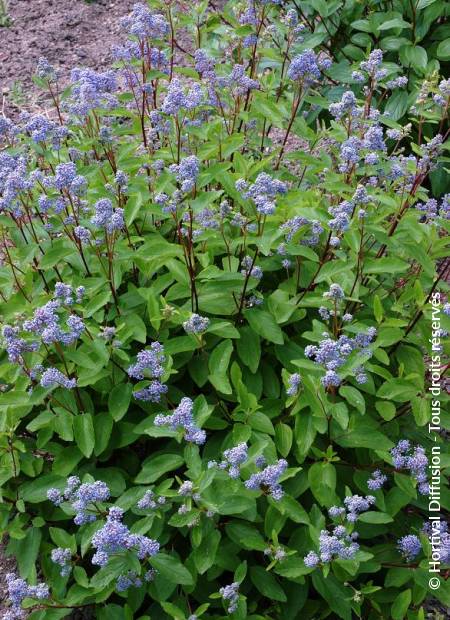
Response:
column 354, row 397
column 83, row 429
column 56, row 254
column 413, row 56
column 385, row 265
column 66, row 461
column 292, row 568
column 292, row 508
column 422, row 4
column 266, row 583
column 401, row 604
column 322, row 482
column 26, row 550
column 260, row 422
column 283, row 438
column 249, row 348
column 386, row 409
column 14, row 398
column 61, row 538
column 398, row 390
column 205, row 554
column 421, row 410
column 218, row 365
column 364, row 437
column 377, row 309
column 388, row 336
column 245, row 535
column 99, row 301
column 132, row 207
column 35, row 491
column 375, row 517
column 236, row 505
column 172, row 569
column 224, row 329
column 443, row 50
column 397, row 22
column 173, row 611
column 221, row 383
column 304, row 432
column 119, row 400
column 264, row 324
column 335, row 594
column 117, row 565
column 268, row 109
column 157, row 466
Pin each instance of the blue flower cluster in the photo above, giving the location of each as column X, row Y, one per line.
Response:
column 249, row 269
column 150, row 501
column 82, row 498
column 180, row 98
column 277, row 554
column 262, row 192
column 62, row 557
column 107, row 217
column 16, row 346
column 196, row 324
column 233, row 458
column 409, row 546
column 186, row 172
column 332, row 354
column 376, row 481
column 131, row 579
column 290, row 228
column 305, row 67
column 230, row 594
column 144, row 24
column 294, row 382
column 338, row 545
column 52, row 377
column 354, row 506
column 149, row 362
column 267, row 480
column 46, row 321
column 183, row 419
column 438, row 531
column 14, row 180
column 413, row 459
column 18, row 589
column 431, row 211
column 43, row 129
column 115, row 537
column 90, row 90
column 336, row 295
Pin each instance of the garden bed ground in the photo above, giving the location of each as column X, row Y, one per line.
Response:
column 69, row 33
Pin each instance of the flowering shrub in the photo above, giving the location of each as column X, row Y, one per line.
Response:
column 219, row 268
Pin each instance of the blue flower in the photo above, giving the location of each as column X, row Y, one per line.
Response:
column 304, row 67
column 62, row 557
column 230, row 594
column 196, row 324
column 294, row 384
column 182, row 418
column 376, row 481
column 268, row 479
column 409, row 546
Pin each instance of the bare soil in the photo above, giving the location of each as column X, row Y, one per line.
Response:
column 70, row 33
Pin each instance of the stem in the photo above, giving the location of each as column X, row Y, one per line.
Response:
column 295, row 107
column 244, row 290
